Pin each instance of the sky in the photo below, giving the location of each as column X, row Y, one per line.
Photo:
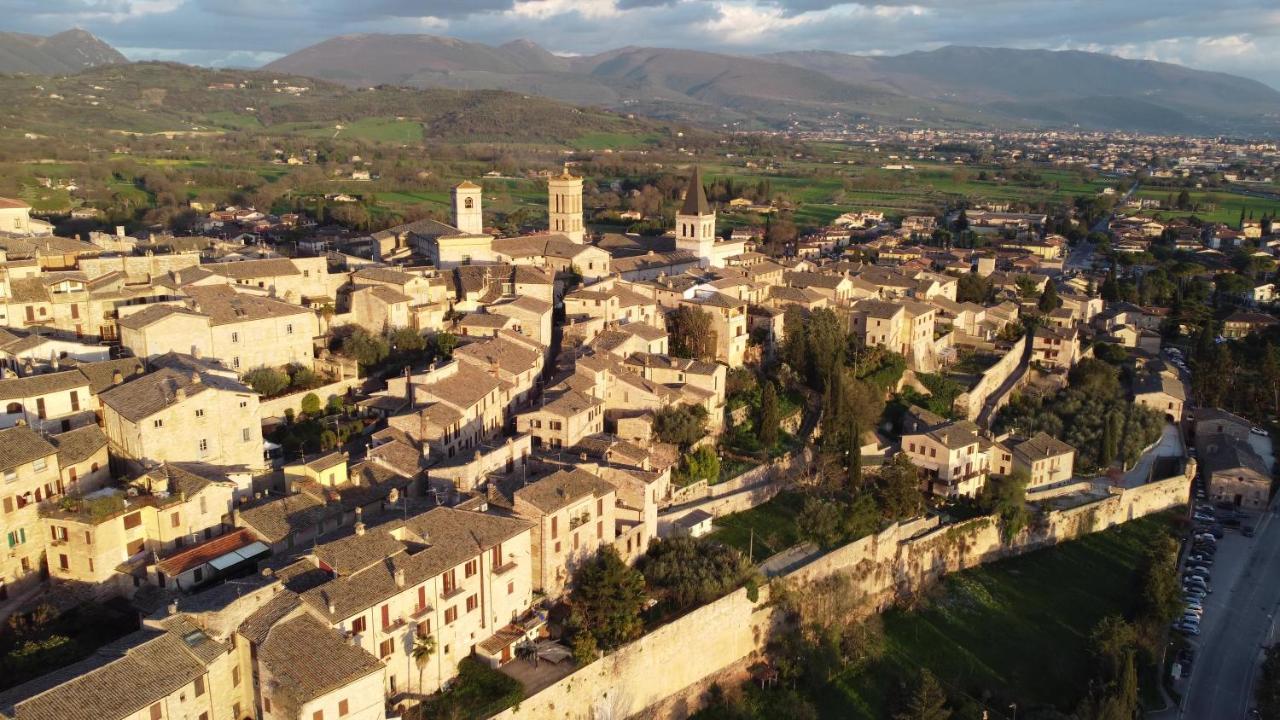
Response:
column 1236, row 36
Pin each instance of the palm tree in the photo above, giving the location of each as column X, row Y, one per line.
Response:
column 424, row 646
column 528, row 652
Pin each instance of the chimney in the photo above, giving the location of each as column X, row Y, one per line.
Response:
column 195, row 378
column 399, row 576
column 359, row 528
column 117, row 377
column 180, row 394
column 333, row 609
column 119, row 231
column 172, row 609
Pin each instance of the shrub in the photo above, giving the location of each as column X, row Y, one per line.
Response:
column 266, row 381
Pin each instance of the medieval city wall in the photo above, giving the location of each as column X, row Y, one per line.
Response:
column 650, row 676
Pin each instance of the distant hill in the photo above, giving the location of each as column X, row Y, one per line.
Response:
column 685, row 85
column 158, row 98
column 960, row 85
column 1058, row 86
column 66, row 52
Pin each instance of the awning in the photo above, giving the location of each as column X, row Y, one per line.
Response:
column 235, row 557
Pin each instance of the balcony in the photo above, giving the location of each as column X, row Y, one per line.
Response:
column 451, row 594
column 418, row 613
column 505, row 567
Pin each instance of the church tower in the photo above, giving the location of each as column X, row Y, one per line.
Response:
column 466, row 208
column 696, row 222
column 564, row 206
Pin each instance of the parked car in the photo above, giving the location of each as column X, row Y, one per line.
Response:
column 1259, row 431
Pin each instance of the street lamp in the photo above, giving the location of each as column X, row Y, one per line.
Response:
column 1014, row 708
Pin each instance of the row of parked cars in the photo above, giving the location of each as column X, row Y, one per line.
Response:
column 1197, row 577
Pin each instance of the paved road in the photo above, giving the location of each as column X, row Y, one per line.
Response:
column 988, row 411
column 1237, row 621
column 1081, row 257
column 1169, row 445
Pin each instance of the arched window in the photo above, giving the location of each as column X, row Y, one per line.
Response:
column 13, row 407
column 469, row 203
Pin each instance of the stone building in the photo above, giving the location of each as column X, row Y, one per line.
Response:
column 175, row 416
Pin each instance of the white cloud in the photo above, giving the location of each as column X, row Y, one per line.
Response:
column 545, row 9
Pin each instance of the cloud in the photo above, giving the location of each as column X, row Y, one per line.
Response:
column 1238, row 36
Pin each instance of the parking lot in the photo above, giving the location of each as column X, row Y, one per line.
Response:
column 1223, row 654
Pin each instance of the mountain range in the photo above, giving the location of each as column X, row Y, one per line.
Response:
column 66, row 52
column 956, row 86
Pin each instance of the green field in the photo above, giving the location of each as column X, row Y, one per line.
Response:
column 1222, row 207
column 613, row 141
column 46, row 200
column 232, row 120
column 1015, row 630
column 375, row 129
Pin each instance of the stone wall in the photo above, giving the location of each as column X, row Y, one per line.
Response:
column 657, row 676
column 657, row 666
column 969, row 404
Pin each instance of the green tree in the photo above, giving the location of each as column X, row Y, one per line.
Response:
column 606, row 601
column 266, row 381
column 304, row 379
column 1006, row 498
column 767, row 427
column 693, row 571
column 701, row 464
column 972, row 287
column 367, row 349
column 681, row 425
column 444, row 343
column 1049, row 300
column 691, row 334
column 820, row 522
column 311, row 404
column 406, row 340
column 897, row 489
column 928, row 702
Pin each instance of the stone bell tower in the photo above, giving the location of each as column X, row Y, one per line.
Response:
column 564, row 206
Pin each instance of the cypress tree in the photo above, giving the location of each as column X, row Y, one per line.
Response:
column 767, row 431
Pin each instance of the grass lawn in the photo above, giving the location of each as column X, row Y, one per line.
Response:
column 43, row 199
column 773, row 523
column 613, row 140
column 1017, row 630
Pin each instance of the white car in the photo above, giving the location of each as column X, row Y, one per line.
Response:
column 1259, row 431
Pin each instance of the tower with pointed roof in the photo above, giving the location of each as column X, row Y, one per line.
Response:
column 696, row 222
column 564, row 206
column 467, row 216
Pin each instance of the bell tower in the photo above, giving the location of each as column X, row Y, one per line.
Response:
column 696, row 222
column 564, row 206
column 467, row 216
